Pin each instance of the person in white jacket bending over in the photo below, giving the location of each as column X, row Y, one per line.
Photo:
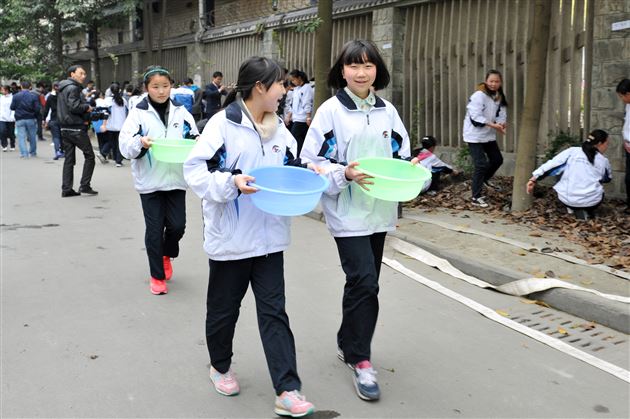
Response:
column 582, row 170
column 623, row 91
column 485, row 116
column 161, row 185
column 354, row 124
column 244, row 244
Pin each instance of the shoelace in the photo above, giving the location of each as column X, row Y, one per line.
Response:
column 295, row 396
column 366, row 376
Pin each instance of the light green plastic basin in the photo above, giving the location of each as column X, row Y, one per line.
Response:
column 394, row 179
column 172, row 151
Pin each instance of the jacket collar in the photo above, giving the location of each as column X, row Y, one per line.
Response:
column 347, row 101
column 144, row 104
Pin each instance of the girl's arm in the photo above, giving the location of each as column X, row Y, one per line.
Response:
column 131, row 142
column 546, row 168
column 205, row 170
column 194, row 132
column 502, row 118
column 475, row 110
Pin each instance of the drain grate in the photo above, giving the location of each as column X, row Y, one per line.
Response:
column 587, row 336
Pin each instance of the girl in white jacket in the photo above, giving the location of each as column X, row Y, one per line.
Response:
column 485, row 116
column 161, row 185
column 354, row 124
column 583, row 170
column 245, row 245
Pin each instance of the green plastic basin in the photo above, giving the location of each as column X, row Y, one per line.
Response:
column 394, row 179
column 171, row 151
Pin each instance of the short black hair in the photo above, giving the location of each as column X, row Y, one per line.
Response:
column 25, row 84
column 623, row 87
column 300, row 75
column 155, row 70
column 428, row 141
column 217, row 74
column 358, row 51
column 188, row 81
column 73, row 68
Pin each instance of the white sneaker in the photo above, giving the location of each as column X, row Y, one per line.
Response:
column 5, row 148
column 479, row 202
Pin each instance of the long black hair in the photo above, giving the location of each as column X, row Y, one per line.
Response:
column 597, row 136
column 484, row 88
column 252, row 71
column 118, row 99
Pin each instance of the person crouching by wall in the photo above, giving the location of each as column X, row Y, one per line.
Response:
column 583, row 170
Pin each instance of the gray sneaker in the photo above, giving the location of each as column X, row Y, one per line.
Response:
column 479, row 202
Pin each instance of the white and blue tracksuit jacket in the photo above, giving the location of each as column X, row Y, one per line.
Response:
column 149, row 174
column 581, row 183
column 337, row 121
column 233, row 227
column 480, row 111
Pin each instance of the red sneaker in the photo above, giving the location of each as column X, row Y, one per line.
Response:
column 168, row 268
column 158, row 286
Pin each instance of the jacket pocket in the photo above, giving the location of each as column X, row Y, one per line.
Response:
column 224, row 220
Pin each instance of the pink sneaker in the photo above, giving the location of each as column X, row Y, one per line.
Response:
column 158, row 286
column 292, row 403
column 225, row 384
column 168, row 268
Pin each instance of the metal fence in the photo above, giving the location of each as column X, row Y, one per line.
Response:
column 450, row 45
column 174, row 59
column 227, row 55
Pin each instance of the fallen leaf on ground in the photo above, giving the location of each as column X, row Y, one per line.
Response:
column 503, row 313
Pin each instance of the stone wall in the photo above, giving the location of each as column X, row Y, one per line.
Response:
column 611, row 63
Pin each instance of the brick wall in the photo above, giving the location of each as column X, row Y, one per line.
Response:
column 611, row 63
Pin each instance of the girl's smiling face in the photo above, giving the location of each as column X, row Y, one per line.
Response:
column 493, row 82
column 159, row 88
column 359, row 77
column 271, row 97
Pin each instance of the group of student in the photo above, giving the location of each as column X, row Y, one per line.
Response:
column 245, row 245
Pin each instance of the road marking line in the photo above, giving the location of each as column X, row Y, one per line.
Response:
column 605, row 366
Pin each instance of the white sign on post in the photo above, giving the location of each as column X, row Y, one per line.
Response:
column 624, row 24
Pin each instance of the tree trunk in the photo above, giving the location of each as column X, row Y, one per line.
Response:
column 147, row 29
column 162, row 26
column 530, row 119
column 93, row 45
column 323, row 45
column 58, row 63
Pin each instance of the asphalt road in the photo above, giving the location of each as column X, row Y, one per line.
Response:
column 82, row 336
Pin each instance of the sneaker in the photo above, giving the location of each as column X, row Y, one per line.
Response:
column 492, row 186
column 12, row 149
column 118, row 164
column 365, row 381
column 5, row 148
column 102, row 159
column 292, row 403
column 479, row 202
column 225, row 384
column 158, row 286
column 168, row 268
column 71, row 192
column 88, row 190
column 340, row 354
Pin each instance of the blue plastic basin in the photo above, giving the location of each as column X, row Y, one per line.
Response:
column 287, row 190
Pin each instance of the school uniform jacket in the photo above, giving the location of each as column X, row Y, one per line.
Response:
column 301, row 102
column 581, row 183
column 229, row 145
column 480, row 111
column 336, row 122
column 149, row 174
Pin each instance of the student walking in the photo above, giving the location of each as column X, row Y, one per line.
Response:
column 161, row 185
column 245, row 245
column 7, row 120
column 52, row 122
column 623, row 91
column 117, row 115
column 26, row 107
column 485, row 116
column 301, row 106
column 583, row 170
column 356, row 123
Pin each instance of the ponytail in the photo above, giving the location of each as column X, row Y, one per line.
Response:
column 597, row 136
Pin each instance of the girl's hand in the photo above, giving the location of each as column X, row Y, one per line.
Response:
column 359, row 178
column 455, row 172
column 146, row 142
column 530, row 185
column 317, row 169
column 626, row 145
column 415, row 161
column 241, row 183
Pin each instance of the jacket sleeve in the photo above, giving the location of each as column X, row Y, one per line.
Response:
column 212, row 92
column 46, row 109
column 475, row 109
column 202, row 170
column 547, row 167
column 320, row 148
column 194, row 132
column 307, row 100
column 129, row 137
column 626, row 125
column 75, row 105
column 607, row 177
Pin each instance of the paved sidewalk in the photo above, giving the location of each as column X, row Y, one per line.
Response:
column 499, row 263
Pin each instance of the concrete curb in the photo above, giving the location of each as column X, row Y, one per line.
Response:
column 613, row 314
